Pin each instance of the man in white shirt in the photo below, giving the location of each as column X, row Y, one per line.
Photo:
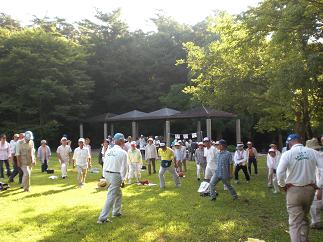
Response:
column 16, row 168
column 240, row 162
column 64, row 152
column 115, row 167
column 151, row 155
column 296, row 175
column 142, row 144
column 184, row 155
column 209, row 153
column 82, row 160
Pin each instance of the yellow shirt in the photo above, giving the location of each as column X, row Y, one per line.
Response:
column 167, row 154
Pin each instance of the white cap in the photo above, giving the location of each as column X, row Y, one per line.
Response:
column 200, row 143
column 81, row 140
column 150, row 139
column 133, row 143
column 162, row 144
column 239, row 144
column 64, row 138
column 271, row 150
column 217, row 142
column 177, row 143
column 206, row 139
column 249, row 143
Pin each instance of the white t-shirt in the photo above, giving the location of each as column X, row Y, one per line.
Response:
column 64, row 152
column 210, row 154
column 81, row 156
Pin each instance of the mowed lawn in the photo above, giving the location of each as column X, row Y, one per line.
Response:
column 56, row 210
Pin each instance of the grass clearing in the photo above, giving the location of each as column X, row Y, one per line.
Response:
column 56, row 210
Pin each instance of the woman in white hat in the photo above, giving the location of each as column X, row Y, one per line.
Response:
column 151, row 155
column 272, row 164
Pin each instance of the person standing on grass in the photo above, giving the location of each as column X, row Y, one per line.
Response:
column 44, row 154
column 103, row 151
column 88, row 146
column 16, row 168
column 200, row 161
column 182, row 146
column 151, row 155
column 25, row 152
column 178, row 157
column 317, row 204
column 252, row 157
column 240, row 162
column 115, row 168
column 82, row 160
column 64, row 154
column 296, row 175
column 166, row 155
column 134, row 162
column 142, row 144
column 223, row 172
column 210, row 154
column 272, row 164
column 5, row 155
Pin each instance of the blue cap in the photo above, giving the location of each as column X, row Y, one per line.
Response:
column 293, row 137
column 222, row 142
column 118, row 136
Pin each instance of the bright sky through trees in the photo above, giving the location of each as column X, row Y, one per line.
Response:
column 136, row 13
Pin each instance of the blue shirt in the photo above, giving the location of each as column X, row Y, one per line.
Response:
column 224, row 159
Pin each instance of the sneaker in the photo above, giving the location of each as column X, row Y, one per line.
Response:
column 104, row 221
column 116, row 215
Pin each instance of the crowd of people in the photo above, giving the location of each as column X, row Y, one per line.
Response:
column 298, row 170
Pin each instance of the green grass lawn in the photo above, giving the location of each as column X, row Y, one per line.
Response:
column 56, row 210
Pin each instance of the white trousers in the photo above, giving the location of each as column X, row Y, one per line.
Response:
column 209, row 173
column 134, row 171
column 26, row 177
column 64, row 169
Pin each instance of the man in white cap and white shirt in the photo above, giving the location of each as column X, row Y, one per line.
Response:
column 142, row 144
column 151, row 155
column 64, row 153
column 296, row 175
column 115, row 168
column 240, row 162
column 210, row 154
column 134, row 162
column 82, row 160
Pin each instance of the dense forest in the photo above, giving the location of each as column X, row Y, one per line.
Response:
column 264, row 65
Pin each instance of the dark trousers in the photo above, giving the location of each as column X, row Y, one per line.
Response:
column 6, row 162
column 152, row 162
column 252, row 160
column 16, row 171
column 44, row 166
column 245, row 171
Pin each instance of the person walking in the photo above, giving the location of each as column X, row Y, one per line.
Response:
column 82, row 160
column 178, row 157
column 317, row 204
column 64, row 154
column 142, row 145
column 223, row 172
column 200, row 161
column 166, row 155
column 252, row 157
column 44, row 154
column 5, row 155
column 296, row 175
column 25, row 152
column 183, row 149
column 240, row 162
column 16, row 169
column 151, row 155
column 210, row 153
column 115, row 168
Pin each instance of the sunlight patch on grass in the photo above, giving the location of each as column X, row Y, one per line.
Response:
column 168, row 194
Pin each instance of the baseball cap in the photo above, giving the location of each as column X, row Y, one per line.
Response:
column 81, row 140
column 206, row 139
column 177, row 143
column 239, row 144
column 118, row 136
column 16, row 135
column 293, row 137
column 133, row 143
column 150, row 139
column 249, row 143
column 222, row 142
column 63, row 138
column 162, row 144
column 271, row 150
column 200, row 143
column 217, row 142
